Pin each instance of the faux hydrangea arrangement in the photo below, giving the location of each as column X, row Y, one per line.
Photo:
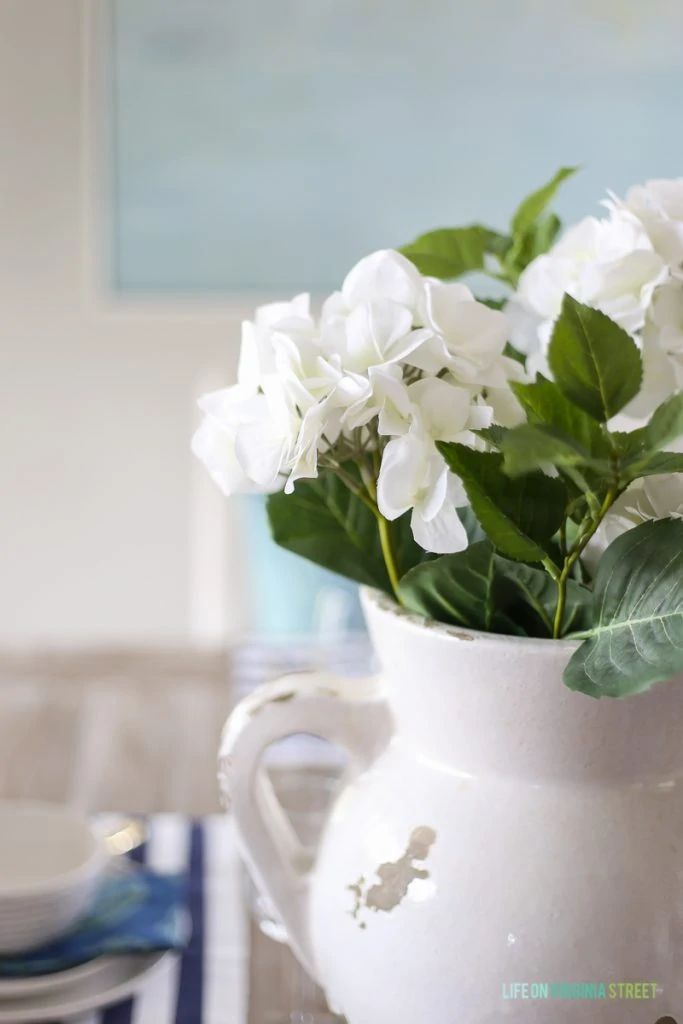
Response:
column 503, row 465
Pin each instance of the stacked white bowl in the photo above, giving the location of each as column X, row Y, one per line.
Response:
column 50, row 866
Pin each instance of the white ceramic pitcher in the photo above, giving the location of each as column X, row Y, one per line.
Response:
column 498, row 831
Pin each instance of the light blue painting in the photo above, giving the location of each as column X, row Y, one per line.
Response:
column 266, row 145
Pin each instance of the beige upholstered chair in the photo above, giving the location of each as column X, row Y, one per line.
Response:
column 131, row 731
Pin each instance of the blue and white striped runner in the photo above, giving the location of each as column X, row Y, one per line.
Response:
column 209, row 983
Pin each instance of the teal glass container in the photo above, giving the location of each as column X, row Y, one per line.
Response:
column 287, row 594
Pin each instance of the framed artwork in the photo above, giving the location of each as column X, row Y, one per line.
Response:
column 265, row 146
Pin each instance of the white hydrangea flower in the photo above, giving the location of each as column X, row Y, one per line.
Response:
column 285, row 440
column 661, row 497
column 465, row 336
column 257, row 355
column 288, row 378
column 255, row 441
column 653, row 497
column 385, row 275
column 444, row 411
column 507, row 410
column 413, row 473
column 214, row 441
column 609, row 264
column 394, row 355
column 382, row 394
column 264, row 446
column 377, row 333
column 387, row 317
column 318, row 430
column 662, row 348
column 370, row 322
column 414, row 476
column 303, row 366
column 658, row 205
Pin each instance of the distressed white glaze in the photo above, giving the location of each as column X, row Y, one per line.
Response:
column 498, row 828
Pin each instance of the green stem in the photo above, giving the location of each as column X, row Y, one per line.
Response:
column 561, row 602
column 563, row 539
column 551, row 569
column 359, row 493
column 580, row 481
column 577, row 550
column 384, row 528
column 388, row 553
column 369, row 499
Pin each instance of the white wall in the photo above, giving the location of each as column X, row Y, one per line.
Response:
column 108, row 533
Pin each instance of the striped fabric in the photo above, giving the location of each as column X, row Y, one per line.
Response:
column 209, row 983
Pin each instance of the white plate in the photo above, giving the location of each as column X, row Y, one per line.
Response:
column 15, row 988
column 24, row 988
column 116, row 978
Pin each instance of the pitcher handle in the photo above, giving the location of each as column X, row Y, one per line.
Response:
column 352, row 714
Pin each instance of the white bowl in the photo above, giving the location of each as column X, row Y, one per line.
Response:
column 50, row 866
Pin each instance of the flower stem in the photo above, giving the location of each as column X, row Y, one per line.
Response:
column 368, row 496
column 574, row 554
column 559, row 610
column 384, row 528
column 357, row 491
column 563, row 539
column 388, row 552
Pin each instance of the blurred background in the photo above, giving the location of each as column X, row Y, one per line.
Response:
column 165, row 165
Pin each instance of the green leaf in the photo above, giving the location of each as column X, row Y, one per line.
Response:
column 536, row 240
column 493, row 435
column 529, row 597
column 543, row 236
column 596, row 364
column 458, row 590
column 327, row 524
column 641, row 448
column 449, row 252
column 533, row 206
column 533, row 446
column 637, row 636
column 666, row 424
column 653, row 465
column 628, row 443
column 665, row 427
column 544, row 403
column 581, row 448
column 471, row 524
column 497, row 244
column 510, row 351
column 478, row 589
column 519, row 516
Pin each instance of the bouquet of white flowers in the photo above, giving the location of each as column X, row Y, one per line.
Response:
column 462, row 454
